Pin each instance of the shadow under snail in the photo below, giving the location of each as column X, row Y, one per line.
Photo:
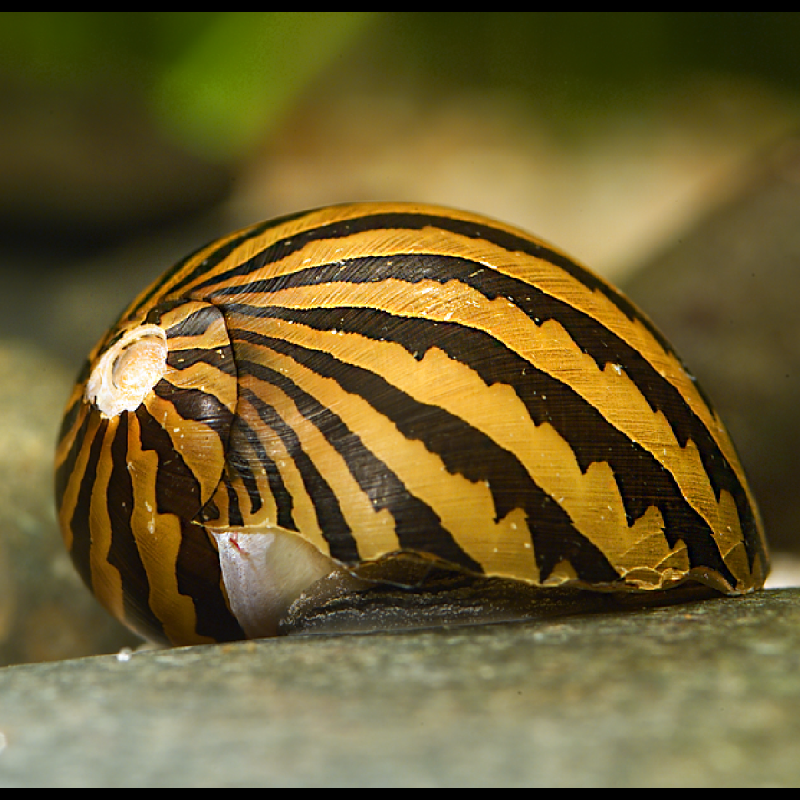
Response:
column 390, row 406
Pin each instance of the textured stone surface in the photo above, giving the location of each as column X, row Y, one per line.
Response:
column 706, row 694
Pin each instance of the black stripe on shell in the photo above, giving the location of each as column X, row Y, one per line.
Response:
column 199, row 577
column 417, row 526
column 405, row 220
column 468, row 452
column 245, row 448
column 81, row 516
column 589, row 335
column 124, row 551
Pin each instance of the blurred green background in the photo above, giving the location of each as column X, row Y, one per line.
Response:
column 112, row 120
column 218, row 81
column 609, row 134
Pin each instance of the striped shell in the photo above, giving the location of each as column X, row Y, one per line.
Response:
column 326, row 390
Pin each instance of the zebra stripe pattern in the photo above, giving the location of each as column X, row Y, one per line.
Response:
column 375, row 379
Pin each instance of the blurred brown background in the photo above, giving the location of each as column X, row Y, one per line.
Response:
column 658, row 148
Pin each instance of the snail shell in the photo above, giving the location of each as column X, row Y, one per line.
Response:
column 364, row 383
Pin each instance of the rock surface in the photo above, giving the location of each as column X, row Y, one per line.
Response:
column 706, row 694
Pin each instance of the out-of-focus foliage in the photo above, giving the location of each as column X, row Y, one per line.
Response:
column 219, row 80
column 567, row 67
column 601, row 46
column 215, row 79
column 245, row 69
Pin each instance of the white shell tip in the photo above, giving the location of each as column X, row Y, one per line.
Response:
column 128, row 370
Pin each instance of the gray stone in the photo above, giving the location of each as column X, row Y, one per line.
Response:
column 706, row 694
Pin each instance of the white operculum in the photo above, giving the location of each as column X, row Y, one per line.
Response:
column 265, row 572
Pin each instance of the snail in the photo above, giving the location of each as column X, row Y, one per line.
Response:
column 367, row 391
